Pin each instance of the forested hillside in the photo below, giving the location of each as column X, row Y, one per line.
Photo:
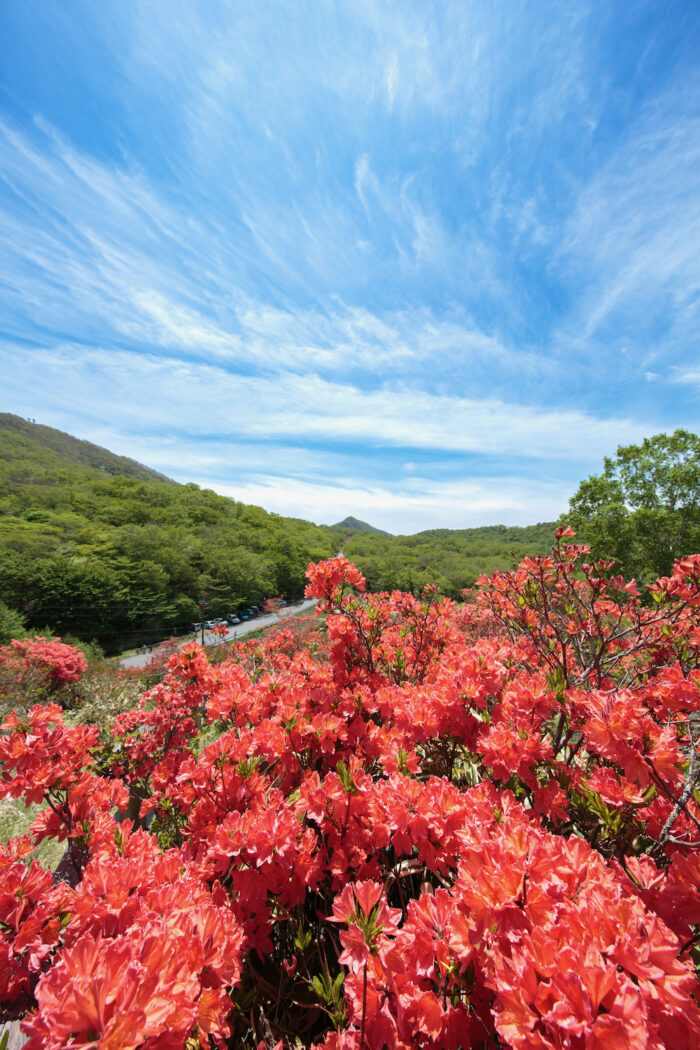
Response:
column 20, row 440
column 450, row 558
column 100, row 547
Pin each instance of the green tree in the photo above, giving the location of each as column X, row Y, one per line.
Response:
column 644, row 509
column 11, row 624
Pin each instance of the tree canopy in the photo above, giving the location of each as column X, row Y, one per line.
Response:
column 644, row 509
column 98, row 547
column 450, row 559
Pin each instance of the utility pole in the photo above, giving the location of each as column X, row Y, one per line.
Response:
column 202, row 603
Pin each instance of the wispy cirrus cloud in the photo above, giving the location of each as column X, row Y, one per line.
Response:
column 203, row 400
column 406, row 509
column 637, row 223
column 686, row 376
column 353, row 237
column 102, row 249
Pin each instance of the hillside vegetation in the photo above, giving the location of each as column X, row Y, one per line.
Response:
column 99, row 547
column 19, row 440
column 451, row 559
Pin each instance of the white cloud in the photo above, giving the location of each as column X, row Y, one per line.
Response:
column 97, row 251
column 689, row 376
column 202, row 399
column 175, row 325
column 391, row 76
column 365, row 181
column 402, row 509
column 417, row 232
column 636, row 226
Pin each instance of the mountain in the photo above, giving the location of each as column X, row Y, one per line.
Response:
column 452, row 559
column 98, row 546
column 351, row 524
column 20, row 440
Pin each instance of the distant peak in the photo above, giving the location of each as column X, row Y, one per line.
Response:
column 355, row 525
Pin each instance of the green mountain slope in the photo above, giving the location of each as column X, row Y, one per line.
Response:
column 450, row 558
column 99, row 546
column 19, row 440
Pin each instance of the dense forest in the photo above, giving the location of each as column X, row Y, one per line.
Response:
column 451, row 559
column 97, row 546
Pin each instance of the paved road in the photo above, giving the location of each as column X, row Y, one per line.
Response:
column 266, row 620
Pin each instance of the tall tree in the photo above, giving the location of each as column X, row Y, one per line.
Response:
column 644, row 509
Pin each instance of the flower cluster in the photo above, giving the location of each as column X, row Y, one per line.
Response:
column 62, row 663
column 413, row 825
column 31, row 668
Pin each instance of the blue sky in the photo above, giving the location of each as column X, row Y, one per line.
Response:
column 422, row 263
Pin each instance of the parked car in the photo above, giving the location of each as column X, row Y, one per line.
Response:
column 233, row 619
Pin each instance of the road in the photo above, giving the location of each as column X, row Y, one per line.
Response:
column 266, row 620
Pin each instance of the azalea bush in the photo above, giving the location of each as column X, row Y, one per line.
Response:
column 32, row 669
column 420, row 825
